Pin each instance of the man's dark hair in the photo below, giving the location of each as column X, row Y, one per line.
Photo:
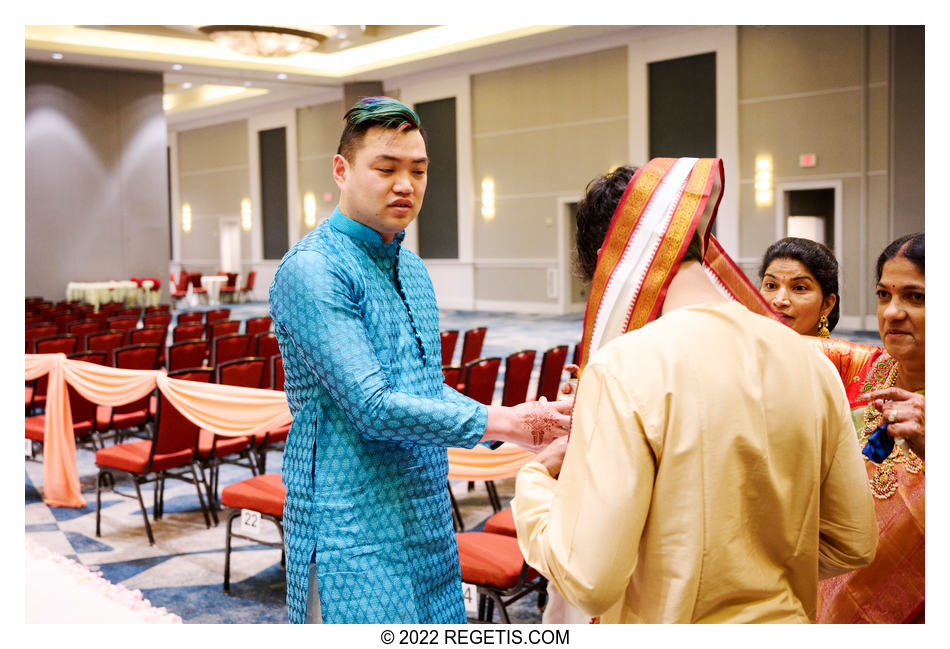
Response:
column 368, row 112
column 910, row 246
column 817, row 258
column 594, row 213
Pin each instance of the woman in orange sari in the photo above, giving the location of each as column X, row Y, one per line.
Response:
column 886, row 390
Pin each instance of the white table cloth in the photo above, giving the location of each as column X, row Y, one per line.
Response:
column 212, row 285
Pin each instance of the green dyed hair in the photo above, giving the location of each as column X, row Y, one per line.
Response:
column 368, row 112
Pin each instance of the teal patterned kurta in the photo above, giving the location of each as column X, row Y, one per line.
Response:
column 365, row 465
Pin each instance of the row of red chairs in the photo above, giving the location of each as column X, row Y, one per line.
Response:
column 477, row 378
column 471, row 344
column 154, row 458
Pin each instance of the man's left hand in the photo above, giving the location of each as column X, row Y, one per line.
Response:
column 552, row 457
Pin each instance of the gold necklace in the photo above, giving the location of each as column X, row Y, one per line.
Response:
column 883, row 482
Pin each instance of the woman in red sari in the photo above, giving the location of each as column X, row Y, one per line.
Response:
column 886, row 390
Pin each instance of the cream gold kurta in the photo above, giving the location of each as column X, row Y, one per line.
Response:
column 712, row 468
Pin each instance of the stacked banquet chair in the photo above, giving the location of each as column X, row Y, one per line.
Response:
column 170, row 453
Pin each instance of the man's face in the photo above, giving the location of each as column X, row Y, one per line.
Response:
column 383, row 186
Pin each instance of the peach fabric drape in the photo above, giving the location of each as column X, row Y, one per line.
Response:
column 222, row 409
column 481, row 463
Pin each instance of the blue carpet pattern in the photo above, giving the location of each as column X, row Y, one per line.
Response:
column 183, row 571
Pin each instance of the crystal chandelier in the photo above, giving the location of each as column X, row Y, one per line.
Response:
column 268, row 40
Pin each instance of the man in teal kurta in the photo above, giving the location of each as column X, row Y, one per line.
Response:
column 367, row 512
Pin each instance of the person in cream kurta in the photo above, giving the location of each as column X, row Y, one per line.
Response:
column 689, row 491
column 710, row 474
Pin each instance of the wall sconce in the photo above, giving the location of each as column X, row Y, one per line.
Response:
column 310, row 209
column 763, row 180
column 246, row 214
column 186, row 218
column 488, row 199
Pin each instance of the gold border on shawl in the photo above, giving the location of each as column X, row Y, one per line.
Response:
column 735, row 281
column 672, row 246
column 623, row 223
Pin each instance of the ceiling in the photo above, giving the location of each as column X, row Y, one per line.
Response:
column 201, row 75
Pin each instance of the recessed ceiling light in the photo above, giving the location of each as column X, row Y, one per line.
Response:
column 281, row 76
column 341, row 35
column 177, row 66
column 57, row 56
column 186, row 85
column 247, row 84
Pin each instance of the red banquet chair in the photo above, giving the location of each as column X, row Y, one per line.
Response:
column 271, row 440
column 248, row 285
column 472, row 345
column 216, row 315
column 157, row 308
column 262, row 496
column 150, row 335
column 479, row 378
column 82, row 410
column 188, row 332
column 82, row 328
column 105, row 341
column 493, row 563
column 136, row 413
column 452, row 375
column 63, row 319
column 186, row 354
column 449, row 337
column 122, row 323
column 518, row 367
column 33, row 332
column 256, row 326
column 157, row 319
column 549, row 378
column 265, row 345
column 132, row 312
column 172, row 448
column 230, row 347
column 190, row 317
column 222, row 328
column 36, row 389
column 215, row 450
column 230, row 285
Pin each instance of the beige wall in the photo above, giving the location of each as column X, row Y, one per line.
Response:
column 213, row 178
column 318, row 134
column 821, row 90
column 540, row 131
column 96, row 190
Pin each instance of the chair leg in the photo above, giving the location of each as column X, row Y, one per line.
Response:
column 201, row 500
column 98, row 500
column 456, row 512
column 148, row 527
column 227, row 552
column 197, row 470
column 496, row 599
column 493, row 496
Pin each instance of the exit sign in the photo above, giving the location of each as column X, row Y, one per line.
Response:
column 807, row 160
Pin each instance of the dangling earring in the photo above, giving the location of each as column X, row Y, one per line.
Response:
column 823, row 327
